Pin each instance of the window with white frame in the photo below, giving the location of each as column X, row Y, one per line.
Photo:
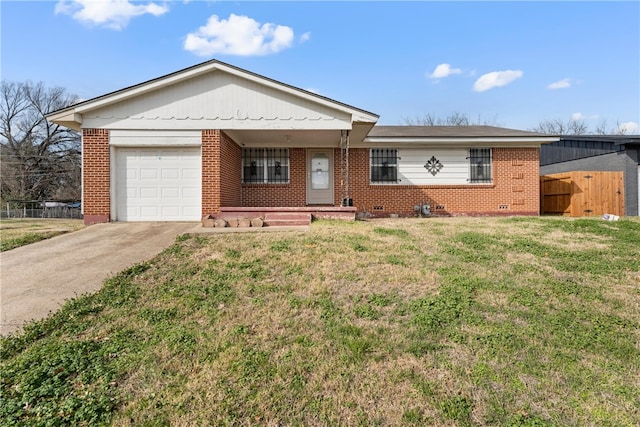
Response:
column 384, row 165
column 265, row 165
column 480, row 161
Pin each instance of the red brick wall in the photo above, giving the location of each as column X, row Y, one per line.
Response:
column 96, row 182
column 210, row 171
column 514, row 191
column 230, row 171
column 279, row 195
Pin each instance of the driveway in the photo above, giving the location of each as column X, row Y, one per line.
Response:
column 37, row 279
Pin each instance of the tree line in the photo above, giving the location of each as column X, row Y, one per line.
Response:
column 548, row 126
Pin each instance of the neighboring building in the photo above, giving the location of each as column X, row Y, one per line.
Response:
column 611, row 153
column 214, row 137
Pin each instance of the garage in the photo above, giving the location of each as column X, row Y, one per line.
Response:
column 157, row 184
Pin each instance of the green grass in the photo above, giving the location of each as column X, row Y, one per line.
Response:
column 516, row 322
column 20, row 232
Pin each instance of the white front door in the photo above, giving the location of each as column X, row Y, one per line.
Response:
column 158, row 184
column 320, row 176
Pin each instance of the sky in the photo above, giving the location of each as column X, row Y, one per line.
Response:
column 506, row 63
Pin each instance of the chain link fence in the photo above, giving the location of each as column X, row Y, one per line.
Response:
column 69, row 209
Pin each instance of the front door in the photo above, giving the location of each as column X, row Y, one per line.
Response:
column 320, row 176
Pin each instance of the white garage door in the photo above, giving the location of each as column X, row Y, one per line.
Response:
column 158, row 184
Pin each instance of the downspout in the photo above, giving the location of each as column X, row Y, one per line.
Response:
column 342, row 192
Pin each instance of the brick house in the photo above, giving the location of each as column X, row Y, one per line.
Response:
column 217, row 139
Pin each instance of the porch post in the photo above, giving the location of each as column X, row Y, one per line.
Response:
column 344, row 160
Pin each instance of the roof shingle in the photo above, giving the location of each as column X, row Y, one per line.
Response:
column 449, row 132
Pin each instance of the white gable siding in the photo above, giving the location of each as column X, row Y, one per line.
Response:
column 217, row 100
column 455, row 168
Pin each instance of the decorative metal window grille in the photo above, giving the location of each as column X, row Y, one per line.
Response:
column 433, row 166
column 265, row 165
column 480, row 161
column 384, row 165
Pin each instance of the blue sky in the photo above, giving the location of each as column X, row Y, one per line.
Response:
column 510, row 63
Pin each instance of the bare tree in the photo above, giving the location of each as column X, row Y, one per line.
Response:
column 39, row 159
column 454, row 119
column 560, row 127
column 601, row 128
column 577, row 127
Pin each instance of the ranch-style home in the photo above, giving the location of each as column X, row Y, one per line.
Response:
column 214, row 139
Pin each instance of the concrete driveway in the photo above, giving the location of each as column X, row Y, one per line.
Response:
column 36, row 279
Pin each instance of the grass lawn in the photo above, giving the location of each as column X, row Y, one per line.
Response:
column 458, row 321
column 20, row 232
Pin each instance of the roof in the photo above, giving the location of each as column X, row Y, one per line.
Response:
column 449, row 132
column 615, row 139
column 69, row 114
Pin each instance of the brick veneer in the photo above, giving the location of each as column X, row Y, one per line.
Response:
column 277, row 195
column 210, row 171
column 230, row 172
column 515, row 189
column 96, row 181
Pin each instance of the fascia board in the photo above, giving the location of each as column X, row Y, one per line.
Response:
column 488, row 141
column 145, row 87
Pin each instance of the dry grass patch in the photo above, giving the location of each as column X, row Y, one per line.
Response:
column 458, row 321
column 19, row 232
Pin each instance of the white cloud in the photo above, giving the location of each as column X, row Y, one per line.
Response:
column 238, row 35
column 560, row 84
column 114, row 14
column 496, row 79
column 305, row 37
column 577, row 116
column 443, row 70
column 629, row 128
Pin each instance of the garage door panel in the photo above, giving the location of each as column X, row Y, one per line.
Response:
column 170, row 192
column 149, row 211
column 148, row 174
column 171, row 211
column 190, row 192
column 158, row 184
column 149, row 193
column 170, row 174
column 191, row 173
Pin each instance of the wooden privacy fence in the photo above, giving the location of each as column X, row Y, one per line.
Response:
column 582, row 193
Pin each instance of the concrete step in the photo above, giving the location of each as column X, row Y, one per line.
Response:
column 287, row 218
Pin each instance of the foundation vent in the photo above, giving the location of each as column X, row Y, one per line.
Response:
column 440, row 207
column 378, row 208
column 503, row 207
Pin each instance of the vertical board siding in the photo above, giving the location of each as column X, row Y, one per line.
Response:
column 583, row 193
column 213, row 99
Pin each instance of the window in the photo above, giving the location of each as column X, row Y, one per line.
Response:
column 265, row 165
column 480, row 165
column 384, row 165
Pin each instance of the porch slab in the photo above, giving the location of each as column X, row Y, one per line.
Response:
column 316, row 212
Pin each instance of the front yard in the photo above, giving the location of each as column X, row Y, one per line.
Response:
column 457, row 321
column 19, row 232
